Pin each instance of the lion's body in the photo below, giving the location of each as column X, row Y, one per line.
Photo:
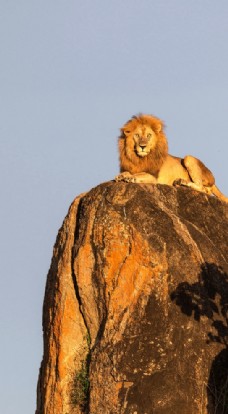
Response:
column 170, row 170
column 144, row 158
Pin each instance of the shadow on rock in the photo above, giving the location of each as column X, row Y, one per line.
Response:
column 209, row 298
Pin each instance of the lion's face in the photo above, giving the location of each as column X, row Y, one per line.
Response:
column 144, row 139
column 142, row 145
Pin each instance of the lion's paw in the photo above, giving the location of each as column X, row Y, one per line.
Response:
column 124, row 176
column 119, row 178
column 130, row 179
column 180, row 181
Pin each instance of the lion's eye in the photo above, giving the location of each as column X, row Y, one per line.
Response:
column 136, row 135
column 149, row 135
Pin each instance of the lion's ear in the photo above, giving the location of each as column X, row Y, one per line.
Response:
column 125, row 132
column 159, row 127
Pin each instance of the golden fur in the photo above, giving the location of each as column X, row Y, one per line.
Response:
column 144, row 158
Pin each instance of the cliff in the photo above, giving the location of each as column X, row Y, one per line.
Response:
column 135, row 314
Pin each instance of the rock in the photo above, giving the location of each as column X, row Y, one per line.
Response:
column 136, row 305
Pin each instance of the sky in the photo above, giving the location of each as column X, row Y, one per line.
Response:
column 71, row 74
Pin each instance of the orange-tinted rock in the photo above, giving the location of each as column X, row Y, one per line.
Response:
column 136, row 304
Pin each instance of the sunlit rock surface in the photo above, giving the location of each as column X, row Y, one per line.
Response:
column 136, row 305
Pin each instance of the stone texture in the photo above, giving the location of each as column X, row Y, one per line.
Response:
column 136, row 305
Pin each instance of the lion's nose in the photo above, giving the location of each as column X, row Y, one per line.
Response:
column 142, row 146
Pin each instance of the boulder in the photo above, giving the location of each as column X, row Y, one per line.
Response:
column 135, row 315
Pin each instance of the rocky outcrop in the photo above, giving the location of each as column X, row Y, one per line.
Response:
column 135, row 314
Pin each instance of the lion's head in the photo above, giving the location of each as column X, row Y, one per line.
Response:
column 142, row 145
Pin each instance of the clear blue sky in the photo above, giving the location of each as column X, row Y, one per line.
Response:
column 71, row 73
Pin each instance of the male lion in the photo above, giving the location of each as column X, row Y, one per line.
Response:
column 144, row 158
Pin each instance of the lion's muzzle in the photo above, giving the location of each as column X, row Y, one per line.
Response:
column 142, row 150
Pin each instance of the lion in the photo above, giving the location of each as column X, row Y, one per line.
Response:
column 144, row 158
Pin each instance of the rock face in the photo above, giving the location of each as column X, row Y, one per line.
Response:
column 135, row 314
